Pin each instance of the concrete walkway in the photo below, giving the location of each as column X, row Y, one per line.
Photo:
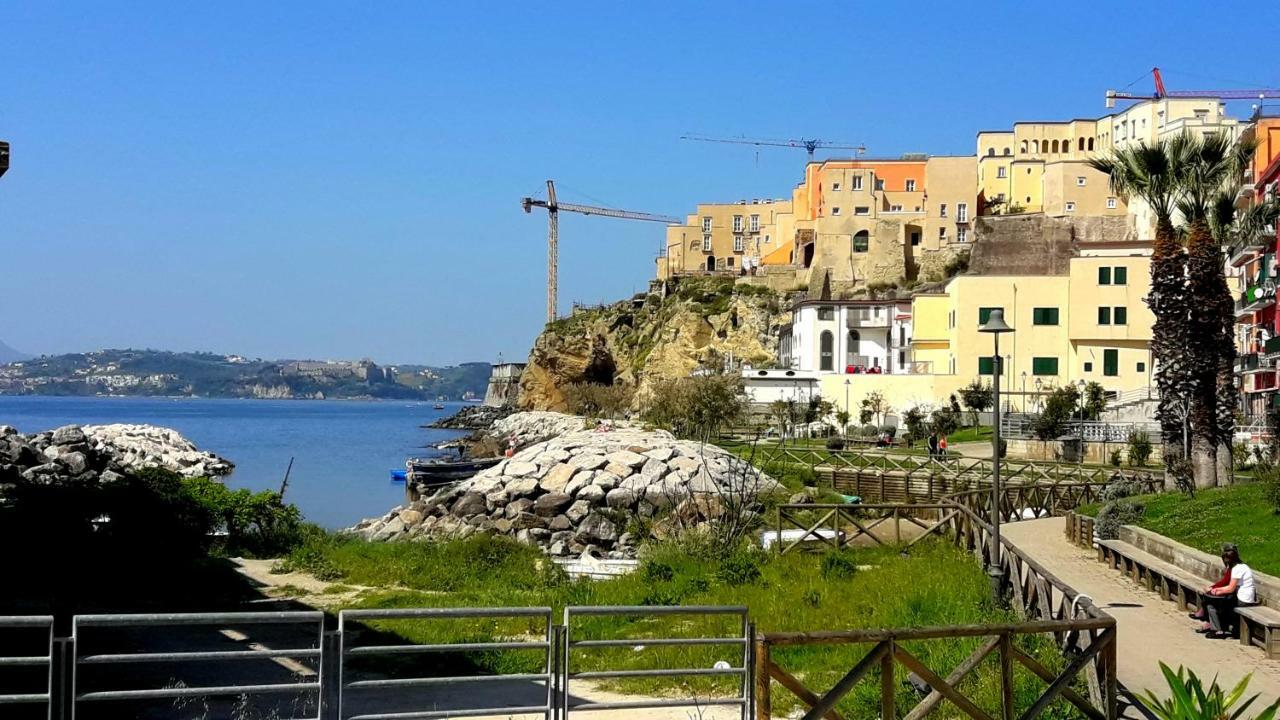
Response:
column 1150, row 629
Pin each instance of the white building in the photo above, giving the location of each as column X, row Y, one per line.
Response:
column 849, row 337
column 767, row 386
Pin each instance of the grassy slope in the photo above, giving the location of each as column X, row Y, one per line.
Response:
column 1238, row 514
column 937, row 585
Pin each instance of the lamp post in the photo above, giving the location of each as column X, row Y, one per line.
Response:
column 1081, row 383
column 845, row 430
column 1039, row 398
column 1024, row 391
column 996, row 325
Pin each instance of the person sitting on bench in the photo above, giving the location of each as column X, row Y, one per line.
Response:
column 1220, row 603
column 1199, row 614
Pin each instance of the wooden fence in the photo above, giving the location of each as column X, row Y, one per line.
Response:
column 1079, row 530
column 1049, row 607
column 839, row 525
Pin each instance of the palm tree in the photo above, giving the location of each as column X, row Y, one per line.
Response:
column 1209, row 175
column 1151, row 173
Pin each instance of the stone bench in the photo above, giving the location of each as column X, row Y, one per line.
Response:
column 1267, row 621
column 1163, row 578
column 1174, row 583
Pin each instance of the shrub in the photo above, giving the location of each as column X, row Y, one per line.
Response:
column 914, row 419
column 1115, row 514
column 838, row 565
column 697, row 408
column 888, row 430
column 1189, row 699
column 257, row 524
column 835, row 443
column 593, row 400
column 945, row 421
column 1268, row 475
column 1120, row 488
column 740, row 567
column 1059, row 408
column 1241, row 458
column 1139, row 448
column 977, row 398
column 1115, row 458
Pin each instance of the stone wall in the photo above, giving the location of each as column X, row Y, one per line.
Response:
column 1036, row 244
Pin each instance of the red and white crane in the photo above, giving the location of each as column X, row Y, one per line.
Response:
column 1161, row 92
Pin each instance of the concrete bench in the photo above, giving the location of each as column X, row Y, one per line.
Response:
column 1163, row 578
column 1267, row 621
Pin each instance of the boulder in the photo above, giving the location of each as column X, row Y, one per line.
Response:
column 578, row 510
column 619, row 498
column 551, row 503
column 597, row 528
column 517, row 468
column 469, row 504
column 625, row 458
column 588, row 462
column 558, row 478
column 591, row 493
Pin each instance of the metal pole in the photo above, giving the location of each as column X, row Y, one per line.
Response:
column 995, row 572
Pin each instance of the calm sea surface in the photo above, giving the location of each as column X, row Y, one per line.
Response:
column 343, row 449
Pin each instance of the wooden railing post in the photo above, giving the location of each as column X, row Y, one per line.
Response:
column 1111, row 682
column 888, row 686
column 763, row 703
column 1006, row 676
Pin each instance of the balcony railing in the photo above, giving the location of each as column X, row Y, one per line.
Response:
column 867, row 319
column 1271, row 349
column 1246, row 251
column 1247, row 362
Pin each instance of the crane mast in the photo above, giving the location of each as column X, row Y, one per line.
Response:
column 553, row 208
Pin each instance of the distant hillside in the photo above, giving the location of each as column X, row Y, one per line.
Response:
column 8, row 354
column 155, row 372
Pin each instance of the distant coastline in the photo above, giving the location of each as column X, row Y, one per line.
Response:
column 162, row 374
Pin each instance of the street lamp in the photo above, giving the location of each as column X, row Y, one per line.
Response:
column 845, row 430
column 996, row 325
column 1039, row 398
column 1081, row 383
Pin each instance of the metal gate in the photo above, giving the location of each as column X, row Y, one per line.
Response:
column 366, row 708
column 742, row 639
column 270, row 663
column 32, row 636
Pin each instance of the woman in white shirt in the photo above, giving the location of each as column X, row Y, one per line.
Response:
column 1221, row 602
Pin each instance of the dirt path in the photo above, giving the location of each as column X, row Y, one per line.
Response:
column 1150, row 629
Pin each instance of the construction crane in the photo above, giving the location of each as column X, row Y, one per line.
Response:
column 1161, row 92
column 553, row 209
column 4, row 157
column 809, row 145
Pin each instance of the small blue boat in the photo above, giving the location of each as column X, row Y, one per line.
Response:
column 399, row 475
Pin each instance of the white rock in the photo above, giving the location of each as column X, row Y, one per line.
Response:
column 626, row 458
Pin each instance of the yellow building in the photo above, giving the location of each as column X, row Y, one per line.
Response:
column 724, row 238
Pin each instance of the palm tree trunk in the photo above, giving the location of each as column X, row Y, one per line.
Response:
column 1205, row 349
column 1168, row 303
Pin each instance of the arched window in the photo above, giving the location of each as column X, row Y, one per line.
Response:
column 711, row 263
column 861, row 241
column 826, row 358
column 1024, row 147
column 1090, row 144
column 991, row 152
column 1035, row 147
column 1055, row 146
column 1080, row 145
column 1006, row 151
column 855, row 348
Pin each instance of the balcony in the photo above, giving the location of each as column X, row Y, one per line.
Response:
column 1249, row 362
column 867, row 318
column 1271, row 349
column 1256, row 298
column 1246, row 251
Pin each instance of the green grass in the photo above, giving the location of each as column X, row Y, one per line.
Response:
column 1238, row 514
column 937, row 585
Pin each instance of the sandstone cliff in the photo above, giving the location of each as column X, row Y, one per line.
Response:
column 699, row 324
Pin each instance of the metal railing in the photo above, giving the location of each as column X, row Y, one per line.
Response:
column 14, row 625
column 741, row 671
column 546, row 644
column 220, row 628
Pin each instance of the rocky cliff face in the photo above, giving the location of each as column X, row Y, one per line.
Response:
column 638, row 343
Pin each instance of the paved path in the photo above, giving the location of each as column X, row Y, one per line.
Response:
column 1150, row 629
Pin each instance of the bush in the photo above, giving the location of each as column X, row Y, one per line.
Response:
column 257, row 524
column 740, row 567
column 1115, row 514
column 945, row 421
column 697, row 408
column 889, row 430
column 837, row 565
column 1115, row 458
column 1139, row 448
column 1189, row 699
column 1120, row 488
column 868, row 431
column 1268, row 475
column 1059, row 408
column 593, row 400
column 914, row 419
column 835, row 443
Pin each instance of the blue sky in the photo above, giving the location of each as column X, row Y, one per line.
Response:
column 342, row 180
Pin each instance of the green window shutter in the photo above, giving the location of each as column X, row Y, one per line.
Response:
column 1111, row 363
column 1104, row 316
column 1121, row 276
column 1104, row 276
column 1044, row 316
column 985, row 366
column 1120, row 316
column 1044, row 366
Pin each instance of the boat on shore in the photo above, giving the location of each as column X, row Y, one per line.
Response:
column 438, row 471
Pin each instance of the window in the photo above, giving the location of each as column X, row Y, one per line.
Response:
column 766, row 239
column 1080, row 181
column 857, row 182
column 737, row 223
column 861, row 241
column 826, row 357
column 1006, row 151
column 755, row 223
column 1080, row 144
column 984, row 314
column 942, row 234
column 962, row 212
column 706, row 243
column 1044, row 366
column 1111, row 363
column 863, row 210
column 1088, row 367
column 1070, row 207
column 1142, row 367
column 942, row 210
column 1104, row 276
column 1120, row 315
column 835, row 187
column 915, row 238
column 1044, row 316
column 985, row 366
column 1090, row 144
column 826, row 312
column 1002, row 172
column 1111, row 203
column 911, row 185
column 962, row 235
column 728, row 262
column 1121, row 275
column 1023, row 147
column 895, row 208
column 1104, row 316
column 835, row 211
column 991, row 152
column 879, row 184
column 737, row 243
column 706, row 224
